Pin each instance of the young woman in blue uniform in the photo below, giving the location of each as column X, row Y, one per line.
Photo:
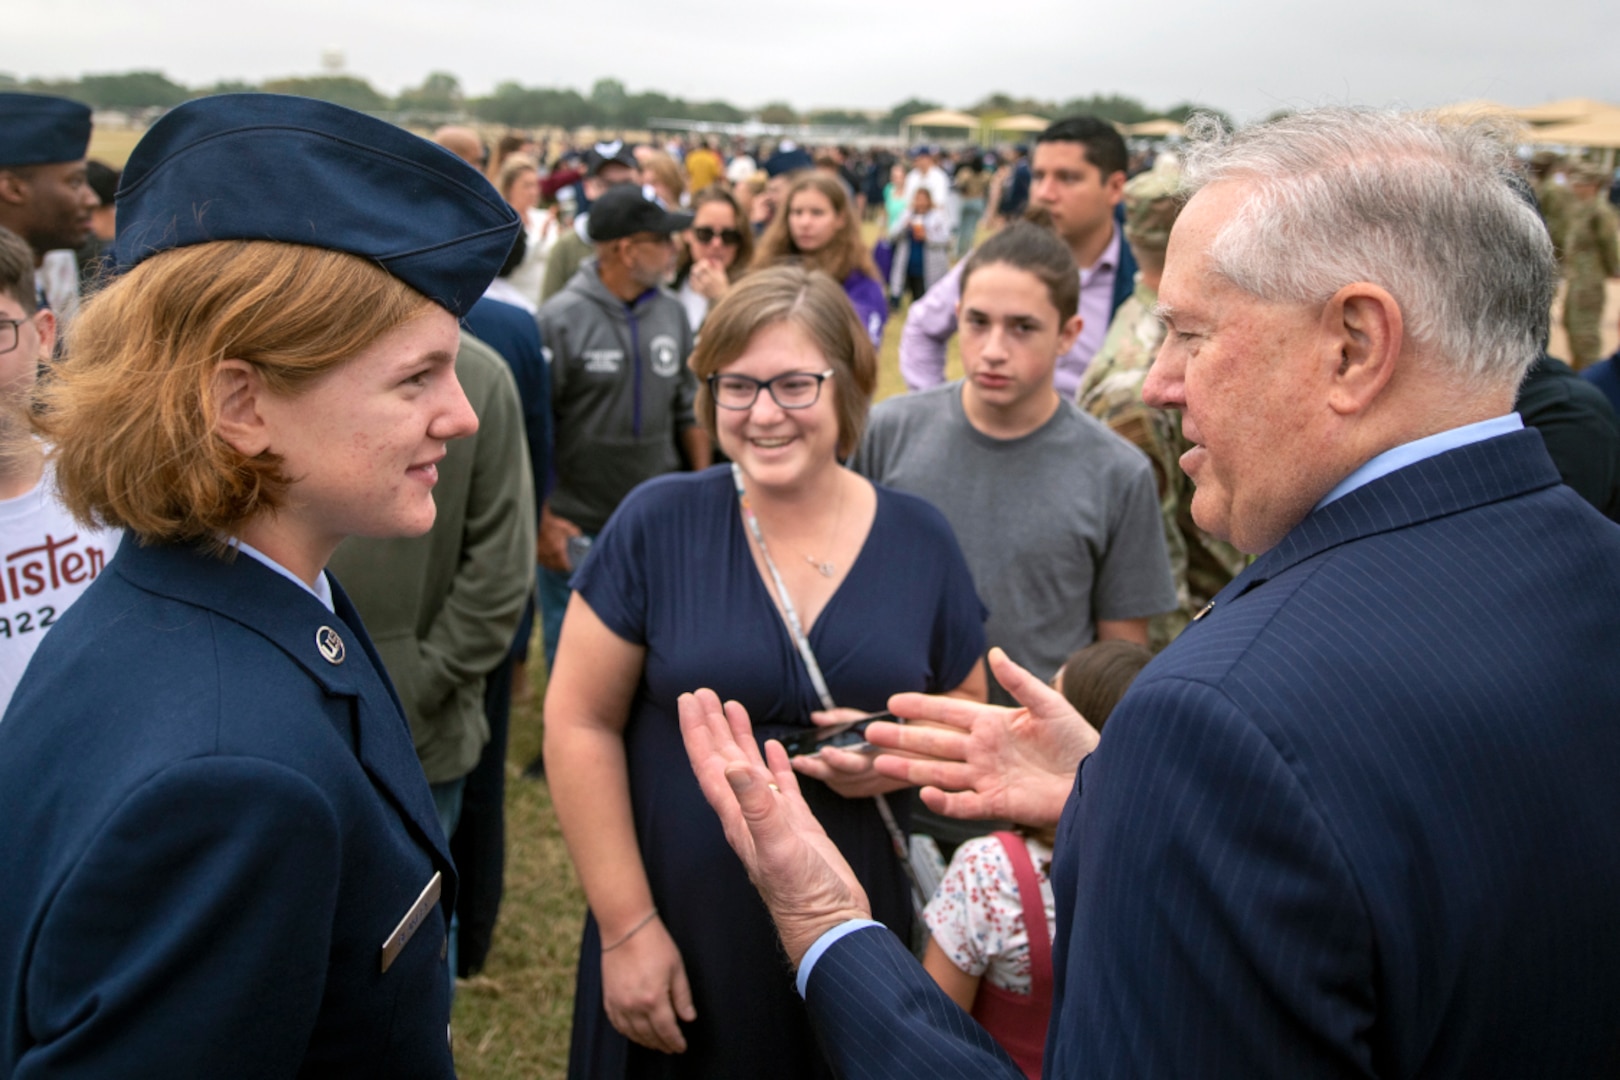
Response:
column 221, row 857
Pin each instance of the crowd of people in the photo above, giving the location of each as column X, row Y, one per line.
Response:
column 302, row 447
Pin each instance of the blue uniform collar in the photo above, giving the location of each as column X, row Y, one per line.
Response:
column 253, row 595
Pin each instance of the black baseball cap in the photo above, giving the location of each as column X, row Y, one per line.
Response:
column 622, row 210
column 604, row 154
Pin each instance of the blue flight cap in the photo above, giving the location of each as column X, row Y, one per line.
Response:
column 37, row 129
column 300, row 171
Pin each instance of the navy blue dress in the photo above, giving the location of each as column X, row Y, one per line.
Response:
column 673, row 572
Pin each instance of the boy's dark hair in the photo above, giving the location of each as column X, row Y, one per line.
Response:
column 1097, row 676
column 1024, row 245
column 1104, row 146
column 17, row 270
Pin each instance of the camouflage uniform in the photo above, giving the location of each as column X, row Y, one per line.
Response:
column 1112, row 392
column 1590, row 256
column 1553, row 198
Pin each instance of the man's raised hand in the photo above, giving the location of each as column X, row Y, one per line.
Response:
column 807, row 885
column 987, row 761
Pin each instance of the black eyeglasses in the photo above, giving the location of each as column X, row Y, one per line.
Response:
column 9, row 335
column 705, row 235
column 790, row 390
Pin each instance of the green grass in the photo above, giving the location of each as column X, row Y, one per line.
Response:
column 512, row 1021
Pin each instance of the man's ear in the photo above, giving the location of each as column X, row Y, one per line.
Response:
column 45, row 327
column 1069, row 333
column 1363, row 333
column 14, row 189
column 236, row 391
column 1115, row 187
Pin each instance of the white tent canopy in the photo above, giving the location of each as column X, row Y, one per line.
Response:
column 1154, row 129
column 1597, row 133
column 1567, row 111
column 935, row 118
column 939, row 118
column 1022, row 122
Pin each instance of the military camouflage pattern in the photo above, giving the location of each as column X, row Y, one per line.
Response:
column 1554, row 199
column 1112, row 392
column 1590, row 256
column 1152, row 201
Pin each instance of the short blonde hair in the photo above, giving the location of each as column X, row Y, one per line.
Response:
column 512, row 167
column 130, row 412
column 817, row 305
column 659, row 166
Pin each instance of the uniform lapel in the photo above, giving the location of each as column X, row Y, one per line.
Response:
column 386, row 751
column 333, row 649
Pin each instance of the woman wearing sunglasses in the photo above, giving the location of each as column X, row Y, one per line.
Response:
column 221, row 857
column 718, row 248
column 789, row 584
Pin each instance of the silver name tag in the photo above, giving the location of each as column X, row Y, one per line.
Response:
column 408, row 925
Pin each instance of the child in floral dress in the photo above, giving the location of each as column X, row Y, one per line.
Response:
column 992, row 918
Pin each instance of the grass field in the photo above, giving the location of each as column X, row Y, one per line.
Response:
column 112, row 145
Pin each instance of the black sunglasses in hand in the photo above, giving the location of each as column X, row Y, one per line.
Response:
column 705, row 235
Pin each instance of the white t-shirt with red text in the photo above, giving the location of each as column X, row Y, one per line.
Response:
column 46, row 560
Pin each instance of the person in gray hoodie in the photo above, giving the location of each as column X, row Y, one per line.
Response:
column 621, row 391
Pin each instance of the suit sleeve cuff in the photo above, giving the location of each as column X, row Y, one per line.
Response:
column 825, row 942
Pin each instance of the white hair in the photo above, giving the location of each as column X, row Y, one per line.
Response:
column 1431, row 211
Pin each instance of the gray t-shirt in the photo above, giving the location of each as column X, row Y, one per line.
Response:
column 1060, row 527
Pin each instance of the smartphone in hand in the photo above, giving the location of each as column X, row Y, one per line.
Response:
column 848, row 736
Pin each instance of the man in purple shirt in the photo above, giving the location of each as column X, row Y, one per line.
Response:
column 1078, row 178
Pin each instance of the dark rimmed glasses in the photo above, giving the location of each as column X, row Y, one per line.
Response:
column 705, row 235
column 10, row 335
column 790, row 390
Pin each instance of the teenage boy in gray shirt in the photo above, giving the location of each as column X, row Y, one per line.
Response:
column 1058, row 516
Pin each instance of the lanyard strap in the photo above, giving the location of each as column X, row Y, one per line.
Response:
column 788, row 609
column 919, row 897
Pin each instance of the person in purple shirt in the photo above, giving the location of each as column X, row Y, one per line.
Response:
column 818, row 230
column 1078, row 179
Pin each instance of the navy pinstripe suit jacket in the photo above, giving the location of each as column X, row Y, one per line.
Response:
column 1362, row 820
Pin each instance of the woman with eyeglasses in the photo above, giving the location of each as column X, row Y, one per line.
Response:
column 716, row 252
column 818, row 229
column 786, row 582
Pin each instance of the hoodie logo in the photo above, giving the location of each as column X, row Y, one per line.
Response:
column 603, row 361
column 666, row 356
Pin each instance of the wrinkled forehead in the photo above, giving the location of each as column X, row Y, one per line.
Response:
column 1203, row 219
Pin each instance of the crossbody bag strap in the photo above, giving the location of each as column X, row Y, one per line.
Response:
column 1029, row 895
column 902, row 850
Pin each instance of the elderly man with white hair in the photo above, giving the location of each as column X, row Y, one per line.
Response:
column 1360, row 818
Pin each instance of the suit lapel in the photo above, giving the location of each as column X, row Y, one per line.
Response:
column 1470, row 476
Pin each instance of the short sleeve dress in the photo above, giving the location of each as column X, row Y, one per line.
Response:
column 673, row 572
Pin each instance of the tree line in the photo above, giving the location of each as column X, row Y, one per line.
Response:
column 608, row 104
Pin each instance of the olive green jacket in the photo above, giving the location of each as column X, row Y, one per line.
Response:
column 442, row 608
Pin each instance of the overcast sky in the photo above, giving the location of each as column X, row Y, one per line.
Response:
column 1249, row 57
